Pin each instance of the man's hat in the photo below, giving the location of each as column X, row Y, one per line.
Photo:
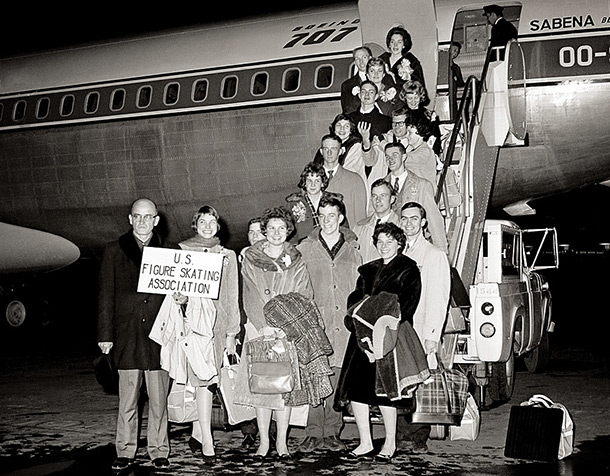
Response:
column 497, row 9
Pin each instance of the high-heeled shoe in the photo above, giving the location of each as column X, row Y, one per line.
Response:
column 208, row 459
column 284, row 457
column 260, row 457
column 383, row 458
column 355, row 457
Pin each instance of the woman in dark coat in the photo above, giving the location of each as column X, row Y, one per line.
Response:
column 398, row 275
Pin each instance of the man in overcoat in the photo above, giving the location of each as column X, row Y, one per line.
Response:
column 125, row 319
column 431, row 312
column 331, row 254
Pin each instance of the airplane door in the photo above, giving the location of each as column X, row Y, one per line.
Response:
column 418, row 17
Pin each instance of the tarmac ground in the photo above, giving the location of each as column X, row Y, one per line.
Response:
column 57, row 420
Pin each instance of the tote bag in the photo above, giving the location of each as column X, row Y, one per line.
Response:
column 442, row 398
column 181, row 404
column 228, row 379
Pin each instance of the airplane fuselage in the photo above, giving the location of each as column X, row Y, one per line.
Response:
column 228, row 115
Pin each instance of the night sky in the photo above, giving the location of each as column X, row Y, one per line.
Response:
column 581, row 216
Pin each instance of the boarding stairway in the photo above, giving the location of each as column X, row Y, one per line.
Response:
column 470, row 157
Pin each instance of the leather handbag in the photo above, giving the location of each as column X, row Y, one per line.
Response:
column 442, row 398
column 539, row 429
column 270, row 369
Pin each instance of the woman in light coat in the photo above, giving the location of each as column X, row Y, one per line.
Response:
column 207, row 325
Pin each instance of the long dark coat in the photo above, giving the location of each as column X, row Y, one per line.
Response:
column 401, row 277
column 126, row 317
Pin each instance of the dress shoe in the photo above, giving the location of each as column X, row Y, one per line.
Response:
column 260, row 457
column 121, row 464
column 160, row 463
column 208, row 459
column 194, row 445
column 333, row 443
column 310, row 444
column 284, row 457
column 420, row 448
column 383, row 458
column 351, row 456
column 249, row 440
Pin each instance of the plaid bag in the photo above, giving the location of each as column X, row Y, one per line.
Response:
column 442, row 398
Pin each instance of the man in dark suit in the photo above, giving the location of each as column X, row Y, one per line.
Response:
column 350, row 88
column 369, row 113
column 125, row 318
column 502, row 31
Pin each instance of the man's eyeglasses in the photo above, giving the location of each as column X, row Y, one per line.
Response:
column 398, row 123
column 138, row 217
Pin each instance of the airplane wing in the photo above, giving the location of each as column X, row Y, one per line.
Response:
column 29, row 250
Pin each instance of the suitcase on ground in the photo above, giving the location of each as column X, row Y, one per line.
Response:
column 533, row 433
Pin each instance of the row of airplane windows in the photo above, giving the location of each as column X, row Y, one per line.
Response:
column 200, row 89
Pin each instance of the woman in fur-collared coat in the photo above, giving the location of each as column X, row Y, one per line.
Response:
column 271, row 267
column 392, row 274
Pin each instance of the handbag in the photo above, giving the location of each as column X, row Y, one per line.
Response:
column 539, row 429
column 270, row 369
column 442, row 398
column 228, row 379
column 470, row 425
column 181, row 404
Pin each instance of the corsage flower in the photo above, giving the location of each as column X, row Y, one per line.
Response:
column 405, row 70
column 387, row 94
column 286, row 260
column 299, row 212
column 356, row 90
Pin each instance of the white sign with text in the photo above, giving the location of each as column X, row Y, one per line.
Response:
column 192, row 273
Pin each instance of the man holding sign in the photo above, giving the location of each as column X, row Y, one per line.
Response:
column 125, row 318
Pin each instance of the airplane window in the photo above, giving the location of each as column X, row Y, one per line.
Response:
column 42, row 108
column 117, row 100
column 200, row 90
column 172, row 91
column 324, row 77
column 67, row 105
column 292, row 80
column 144, row 96
column 19, row 111
column 92, row 102
column 229, row 87
column 260, row 83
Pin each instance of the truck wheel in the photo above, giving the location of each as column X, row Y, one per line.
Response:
column 15, row 313
column 502, row 382
column 537, row 359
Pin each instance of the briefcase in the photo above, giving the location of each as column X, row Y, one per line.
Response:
column 539, row 429
column 533, row 433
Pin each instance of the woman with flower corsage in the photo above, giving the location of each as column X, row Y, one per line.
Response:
column 304, row 204
column 271, row 267
column 386, row 87
column 403, row 64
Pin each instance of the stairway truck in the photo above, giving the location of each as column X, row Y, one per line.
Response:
column 510, row 314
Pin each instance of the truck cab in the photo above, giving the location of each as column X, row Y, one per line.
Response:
column 510, row 313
